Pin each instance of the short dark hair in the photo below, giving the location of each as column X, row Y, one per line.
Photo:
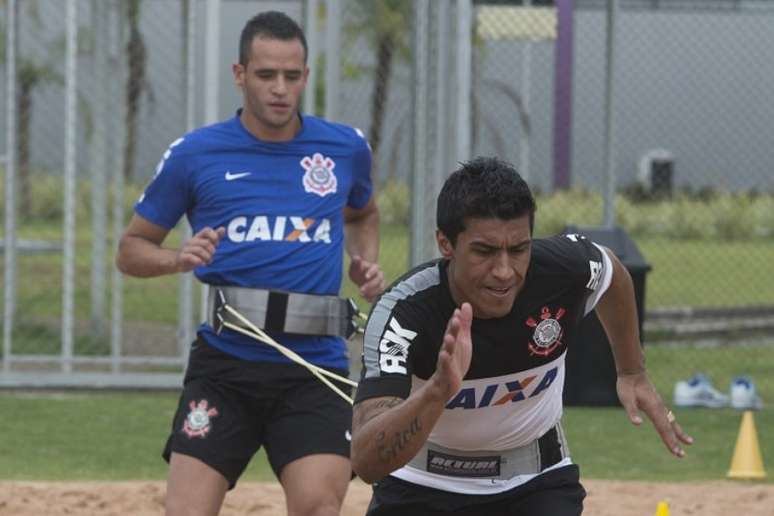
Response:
column 272, row 25
column 484, row 187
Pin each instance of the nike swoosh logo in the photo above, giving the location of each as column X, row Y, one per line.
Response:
column 231, row 177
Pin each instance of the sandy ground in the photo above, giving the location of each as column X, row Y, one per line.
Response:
column 605, row 498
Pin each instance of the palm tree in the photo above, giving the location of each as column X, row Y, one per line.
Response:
column 388, row 22
column 136, row 82
column 30, row 75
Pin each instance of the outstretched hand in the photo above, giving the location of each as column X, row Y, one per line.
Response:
column 456, row 352
column 199, row 249
column 637, row 393
column 367, row 276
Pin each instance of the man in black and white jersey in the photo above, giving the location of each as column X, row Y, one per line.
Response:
column 459, row 405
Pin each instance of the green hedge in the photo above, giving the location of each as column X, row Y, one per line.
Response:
column 722, row 216
column 714, row 216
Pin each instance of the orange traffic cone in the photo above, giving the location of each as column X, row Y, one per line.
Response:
column 662, row 509
column 747, row 462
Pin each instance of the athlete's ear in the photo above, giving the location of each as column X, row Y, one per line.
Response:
column 239, row 74
column 445, row 247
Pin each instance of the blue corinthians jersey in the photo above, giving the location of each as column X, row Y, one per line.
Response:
column 281, row 204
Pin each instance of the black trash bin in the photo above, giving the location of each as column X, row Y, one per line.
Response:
column 661, row 176
column 590, row 374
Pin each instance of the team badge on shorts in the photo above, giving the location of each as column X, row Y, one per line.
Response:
column 319, row 178
column 197, row 422
column 548, row 332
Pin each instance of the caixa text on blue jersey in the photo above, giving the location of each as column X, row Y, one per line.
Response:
column 279, row 228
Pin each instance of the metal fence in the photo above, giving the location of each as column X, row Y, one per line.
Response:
column 89, row 100
column 652, row 116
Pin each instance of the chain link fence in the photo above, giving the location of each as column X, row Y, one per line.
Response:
column 660, row 127
column 93, row 96
column 690, row 167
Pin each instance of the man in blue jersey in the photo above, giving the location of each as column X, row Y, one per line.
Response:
column 273, row 198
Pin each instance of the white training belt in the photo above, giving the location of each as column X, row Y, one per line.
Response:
column 285, row 312
column 529, row 459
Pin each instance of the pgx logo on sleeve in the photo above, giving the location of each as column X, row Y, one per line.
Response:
column 393, row 348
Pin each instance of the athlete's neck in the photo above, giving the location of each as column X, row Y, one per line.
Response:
column 456, row 295
column 268, row 133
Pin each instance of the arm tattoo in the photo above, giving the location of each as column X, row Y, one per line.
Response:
column 390, row 446
column 365, row 413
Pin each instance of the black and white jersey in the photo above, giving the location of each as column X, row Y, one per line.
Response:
column 512, row 393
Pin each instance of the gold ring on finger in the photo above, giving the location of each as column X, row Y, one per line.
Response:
column 670, row 417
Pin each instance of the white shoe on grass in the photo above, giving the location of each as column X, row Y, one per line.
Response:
column 698, row 391
column 743, row 394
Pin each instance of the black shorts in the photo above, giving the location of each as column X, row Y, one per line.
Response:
column 229, row 408
column 557, row 492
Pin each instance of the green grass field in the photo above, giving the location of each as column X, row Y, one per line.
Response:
column 707, row 272
column 607, row 446
column 119, row 436
column 668, row 364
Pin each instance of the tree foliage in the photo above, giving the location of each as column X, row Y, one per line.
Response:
column 388, row 34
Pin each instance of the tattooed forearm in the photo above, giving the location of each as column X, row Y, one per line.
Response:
column 366, row 411
column 389, row 447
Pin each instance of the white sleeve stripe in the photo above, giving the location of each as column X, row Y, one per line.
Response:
column 604, row 282
column 382, row 314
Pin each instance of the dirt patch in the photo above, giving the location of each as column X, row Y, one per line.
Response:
column 605, row 498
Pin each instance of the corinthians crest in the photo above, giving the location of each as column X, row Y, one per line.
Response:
column 548, row 332
column 319, row 178
column 197, row 423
